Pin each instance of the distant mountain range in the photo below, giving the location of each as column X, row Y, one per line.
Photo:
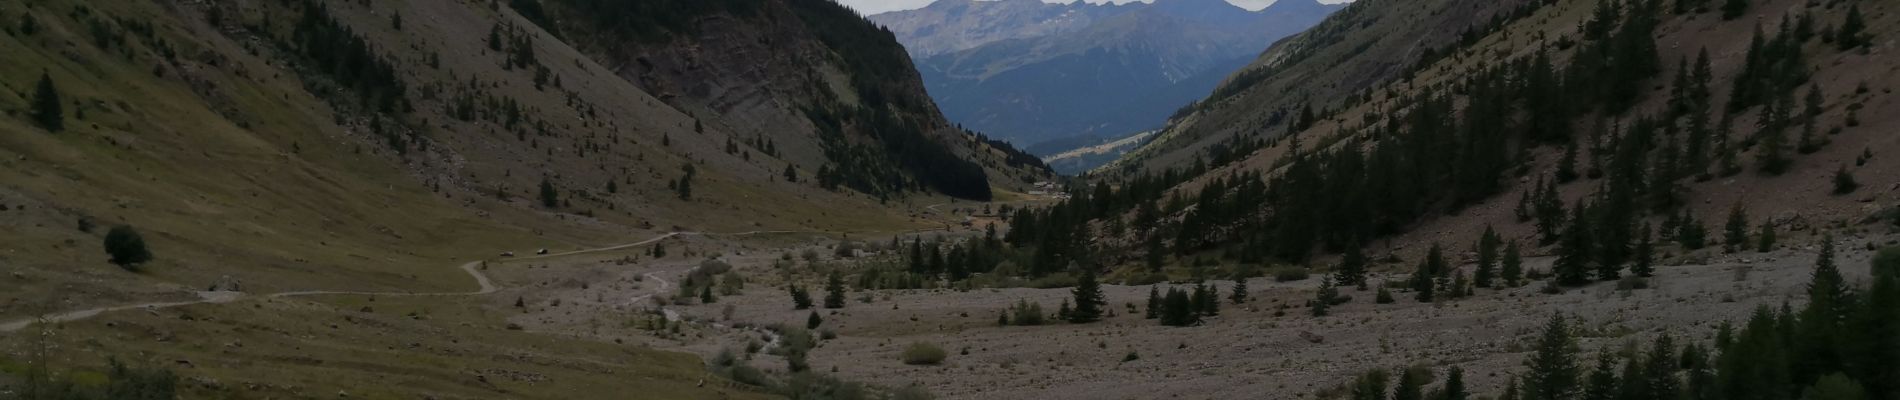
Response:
column 1028, row 71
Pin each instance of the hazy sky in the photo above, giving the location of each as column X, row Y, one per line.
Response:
column 869, row 7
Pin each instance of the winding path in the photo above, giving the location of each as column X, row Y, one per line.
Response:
column 473, row 268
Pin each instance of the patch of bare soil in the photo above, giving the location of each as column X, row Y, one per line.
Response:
column 1267, row 347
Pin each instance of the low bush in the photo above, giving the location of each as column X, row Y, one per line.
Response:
column 1290, row 274
column 921, row 353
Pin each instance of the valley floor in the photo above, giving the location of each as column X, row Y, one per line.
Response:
column 567, row 325
column 1268, row 347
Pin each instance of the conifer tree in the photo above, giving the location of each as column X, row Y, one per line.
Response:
column 1849, row 36
column 1088, row 299
column 813, row 321
column 801, row 299
column 1454, row 388
column 1178, row 310
column 1690, row 233
column 1602, row 381
column 1512, row 271
column 706, row 295
column 1772, row 139
column 1487, row 258
column 1737, row 229
column 1732, row 9
column 834, row 290
column 1645, row 263
column 1423, row 281
column 1572, row 267
column 1156, row 256
column 1352, row 268
column 1823, row 321
column 1567, row 166
column 46, row 105
column 1659, row 371
column 1874, row 357
column 1412, row 383
column 1324, row 298
column 549, row 197
column 1844, row 181
column 1767, row 236
column 1552, row 366
column 1154, row 303
column 1240, row 290
column 1208, row 299
column 1370, row 386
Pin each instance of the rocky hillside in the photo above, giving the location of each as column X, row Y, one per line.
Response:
column 1086, row 69
column 949, row 26
column 312, row 145
column 341, row 145
column 1580, row 123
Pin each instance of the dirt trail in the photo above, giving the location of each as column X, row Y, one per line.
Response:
column 473, row 268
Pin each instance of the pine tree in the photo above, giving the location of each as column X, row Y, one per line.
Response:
column 1487, row 258
column 1844, row 181
column 834, row 291
column 1823, row 322
column 1874, row 357
column 1088, row 299
column 1849, row 36
column 1552, row 367
column 1454, row 388
column 1567, row 166
column 813, row 321
column 1240, row 290
column 1423, row 281
column 1601, row 384
column 1370, row 386
column 1352, row 268
column 1512, row 272
column 1154, row 303
column 1572, row 267
column 1659, row 371
column 706, row 295
column 1156, row 256
column 1737, row 232
column 1771, row 142
column 549, row 197
column 1324, row 298
column 801, row 299
column 1208, row 298
column 1645, row 263
column 1178, row 310
column 1767, row 242
column 1412, row 383
column 46, row 105
column 1732, row 9
column 1690, row 233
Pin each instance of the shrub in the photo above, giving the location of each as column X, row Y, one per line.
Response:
column 845, row 250
column 1887, row 262
column 127, row 247
column 1290, row 274
column 1632, row 282
column 921, row 353
column 747, row 375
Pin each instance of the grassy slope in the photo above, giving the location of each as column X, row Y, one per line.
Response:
column 231, row 168
column 1798, row 199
